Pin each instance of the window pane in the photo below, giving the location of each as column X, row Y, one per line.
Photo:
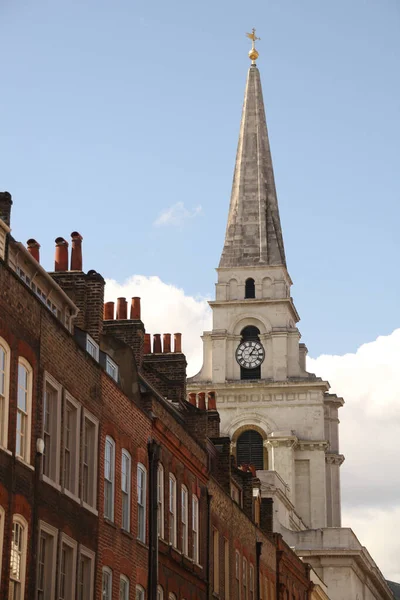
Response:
column 107, row 585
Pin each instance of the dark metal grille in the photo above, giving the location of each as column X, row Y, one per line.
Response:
column 249, row 449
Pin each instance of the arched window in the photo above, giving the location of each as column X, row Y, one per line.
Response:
column 171, row 596
column 160, row 500
column 250, row 288
column 195, row 529
column 4, row 391
column 106, row 584
column 250, row 334
column 109, row 478
column 172, row 510
column 250, row 449
column 139, row 592
column 160, row 593
column 126, row 489
column 24, row 410
column 141, row 502
column 184, row 520
column 18, row 557
column 123, row 588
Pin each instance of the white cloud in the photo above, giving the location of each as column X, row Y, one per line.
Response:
column 176, row 215
column 370, row 419
column 166, row 309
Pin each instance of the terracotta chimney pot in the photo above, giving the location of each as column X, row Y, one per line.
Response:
column 157, row 343
column 212, row 403
column 61, row 257
column 109, row 311
column 177, row 342
column 122, row 309
column 76, row 252
column 33, row 249
column 135, row 309
column 167, row 342
column 192, row 398
column 201, row 401
column 147, row 344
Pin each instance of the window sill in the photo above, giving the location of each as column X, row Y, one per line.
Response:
column 127, row 533
column 51, row 482
column 143, row 544
column 6, row 450
column 23, row 462
column 71, row 495
column 110, row 523
column 90, row 508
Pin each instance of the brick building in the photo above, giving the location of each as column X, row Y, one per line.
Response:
column 112, row 485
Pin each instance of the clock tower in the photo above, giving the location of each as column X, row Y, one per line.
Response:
column 279, row 417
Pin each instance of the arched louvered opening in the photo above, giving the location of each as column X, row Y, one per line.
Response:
column 249, row 449
column 250, row 288
column 250, row 333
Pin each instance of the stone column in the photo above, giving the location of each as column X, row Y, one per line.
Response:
column 281, row 453
column 333, row 501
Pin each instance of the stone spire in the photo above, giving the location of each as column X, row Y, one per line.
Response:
column 253, row 234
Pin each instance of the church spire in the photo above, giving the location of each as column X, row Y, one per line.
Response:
column 253, row 234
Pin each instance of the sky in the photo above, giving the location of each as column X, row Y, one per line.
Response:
column 120, row 120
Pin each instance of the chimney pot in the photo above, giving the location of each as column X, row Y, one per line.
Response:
column 135, row 308
column 177, row 342
column 147, row 344
column 212, row 403
column 76, row 252
column 201, row 401
column 109, row 311
column 157, row 343
column 33, row 249
column 192, row 398
column 5, row 207
column 61, row 257
column 167, row 342
column 122, row 309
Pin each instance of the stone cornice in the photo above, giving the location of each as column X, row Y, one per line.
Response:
column 334, row 459
column 281, row 441
column 313, row 445
column 256, row 384
column 253, row 301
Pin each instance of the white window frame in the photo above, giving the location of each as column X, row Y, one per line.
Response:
column 2, row 519
column 111, row 368
column 141, row 506
column 53, row 478
column 160, row 593
column 226, row 568
column 171, row 596
column 237, row 575
column 93, row 505
column 184, row 520
column 195, row 529
column 25, row 456
column 50, row 566
column 124, row 579
column 5, row 395
column 172, row 516
column 109, row 478
column 251, row 581
column 216, row 560
column 19, row 520
column 90, row 556
column 90, row 343
column 108, row 572
column 126, row 493
column 74, row 450
column 140, row 593
column 65, row 540
column 160, row 500
column 245, row 578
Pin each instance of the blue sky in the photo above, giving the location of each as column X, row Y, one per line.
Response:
column 113, row 112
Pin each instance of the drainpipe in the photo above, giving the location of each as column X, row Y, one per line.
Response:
column 153, row 450
column 258, row 556
column 208, row 555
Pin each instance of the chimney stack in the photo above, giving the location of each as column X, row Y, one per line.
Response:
column 5, row 207
column 157, row 343
column 147, row 344
column 109, row 311
column 122, row 309
column 33, row 249
column 135, row 309
column 76, row 252
column 167, row 342
column 61, row 257
column 177, row 342
column 201, row 401
column 212, row 403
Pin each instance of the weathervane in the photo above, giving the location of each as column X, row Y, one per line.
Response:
column 253, row 54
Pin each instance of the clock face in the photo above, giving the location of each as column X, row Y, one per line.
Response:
column 250, row 354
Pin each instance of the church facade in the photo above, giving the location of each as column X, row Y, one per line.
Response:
column 280, row 418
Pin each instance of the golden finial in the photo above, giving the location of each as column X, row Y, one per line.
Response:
column 253, row 54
